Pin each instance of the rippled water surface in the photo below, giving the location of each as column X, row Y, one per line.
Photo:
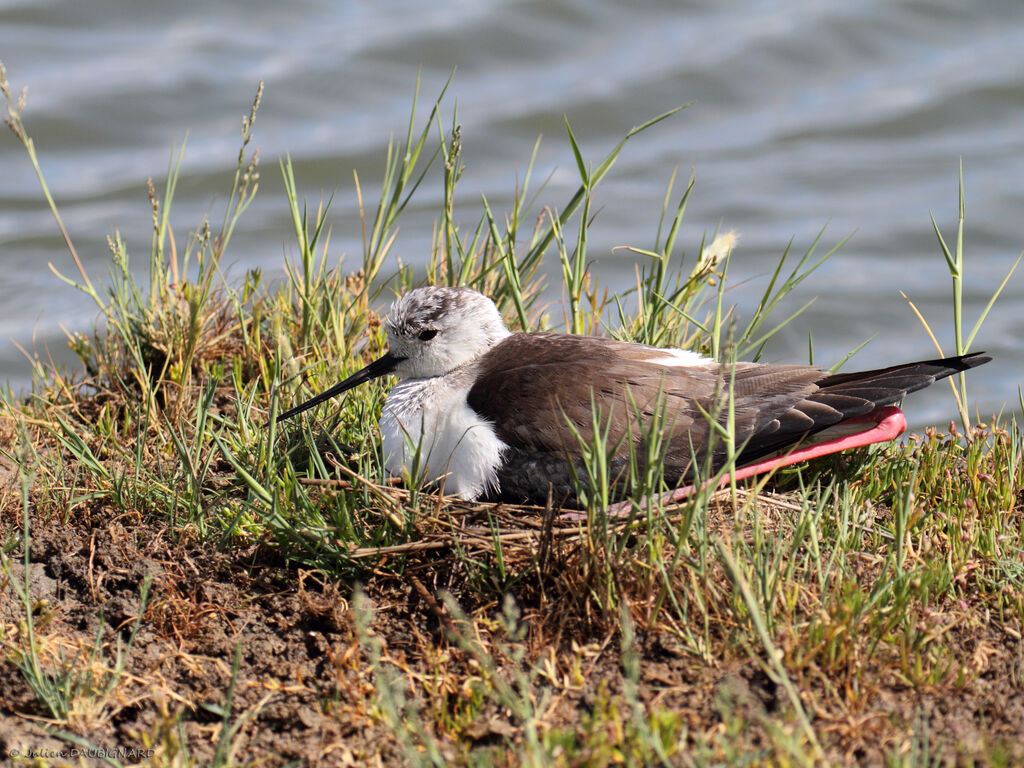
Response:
column 853, row 116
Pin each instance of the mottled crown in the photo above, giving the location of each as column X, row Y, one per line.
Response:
column 434, row 306
column 437, row 329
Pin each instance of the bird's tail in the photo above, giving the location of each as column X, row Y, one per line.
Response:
column 886, row 386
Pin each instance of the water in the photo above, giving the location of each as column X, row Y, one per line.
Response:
column 853, row 116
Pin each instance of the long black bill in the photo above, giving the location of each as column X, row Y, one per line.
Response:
column 374, row 370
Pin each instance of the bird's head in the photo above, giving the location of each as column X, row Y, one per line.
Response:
column 434, row 330
column 431, row 332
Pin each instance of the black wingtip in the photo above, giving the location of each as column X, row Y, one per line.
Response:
column 972, row 360
column 947, row 366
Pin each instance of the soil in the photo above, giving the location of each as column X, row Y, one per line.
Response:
column 304, row 690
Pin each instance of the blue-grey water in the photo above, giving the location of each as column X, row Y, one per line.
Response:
column 806, row 114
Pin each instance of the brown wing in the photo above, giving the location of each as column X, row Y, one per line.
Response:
column 534, row 386
column 842, row 396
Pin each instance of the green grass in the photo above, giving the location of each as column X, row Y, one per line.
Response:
column 893, row 572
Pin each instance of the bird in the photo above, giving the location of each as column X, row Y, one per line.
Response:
column 486, row 413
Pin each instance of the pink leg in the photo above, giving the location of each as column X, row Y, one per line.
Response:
column 889, row 424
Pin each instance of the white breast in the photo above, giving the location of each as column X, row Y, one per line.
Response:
column 431, row 417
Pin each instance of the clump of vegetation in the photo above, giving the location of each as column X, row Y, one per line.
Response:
column 181, row 576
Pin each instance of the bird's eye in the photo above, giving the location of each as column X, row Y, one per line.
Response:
column 428, row 334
